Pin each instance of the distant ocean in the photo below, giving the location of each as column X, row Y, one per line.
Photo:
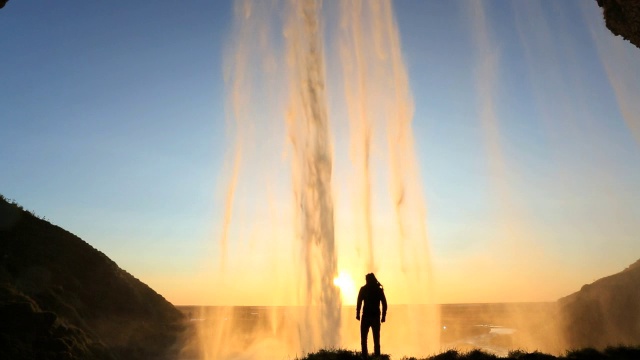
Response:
column 234, row 332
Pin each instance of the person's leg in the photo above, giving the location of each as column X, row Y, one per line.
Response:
column 375, row 329
column 364, row 333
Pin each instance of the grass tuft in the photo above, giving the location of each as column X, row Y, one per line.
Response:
column 585, row 354
column 334, row 354
column 610, row 353
column 447, row 355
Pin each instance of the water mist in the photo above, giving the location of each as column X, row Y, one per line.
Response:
column 293, row 87
column 311, row 165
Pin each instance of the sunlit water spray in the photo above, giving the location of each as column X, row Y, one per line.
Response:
column 323, row 183
column 311, row 163
column 288, row 237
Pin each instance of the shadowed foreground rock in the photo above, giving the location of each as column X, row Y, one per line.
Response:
column 622, row 18
column 62, row 299
column 604, row 313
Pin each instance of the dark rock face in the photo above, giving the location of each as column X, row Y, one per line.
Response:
column 623, row 18
column 62, row 299
column 604, row 313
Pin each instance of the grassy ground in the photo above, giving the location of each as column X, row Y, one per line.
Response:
column 610, row 353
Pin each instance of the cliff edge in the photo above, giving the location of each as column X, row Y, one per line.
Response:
column 605, row 312
column 62, row 299
column 622, row 17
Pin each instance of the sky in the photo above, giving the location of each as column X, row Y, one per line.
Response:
column 115, row 125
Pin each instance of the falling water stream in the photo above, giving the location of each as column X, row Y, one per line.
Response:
column 306, row 204
column 311, row 163
column 284, row 111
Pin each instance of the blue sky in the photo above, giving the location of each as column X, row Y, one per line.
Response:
column 113, row 112
column 112, row 126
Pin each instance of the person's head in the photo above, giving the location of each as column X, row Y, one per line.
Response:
column 371, row 279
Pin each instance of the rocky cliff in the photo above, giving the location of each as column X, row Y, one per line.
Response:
column 62, row 299
column 604, row 313
column 622, row 18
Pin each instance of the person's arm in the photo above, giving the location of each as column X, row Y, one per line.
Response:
column 383, row 299
column 359, row 302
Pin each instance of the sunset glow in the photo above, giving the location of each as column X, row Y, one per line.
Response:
column 347, row 287
column 254, row 160
column 516, row 176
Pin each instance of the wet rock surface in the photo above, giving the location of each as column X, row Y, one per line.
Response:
column 622, row 18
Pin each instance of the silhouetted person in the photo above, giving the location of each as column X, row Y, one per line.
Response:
column 372, row 294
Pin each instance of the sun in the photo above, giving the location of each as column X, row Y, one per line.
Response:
column 347, row 287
